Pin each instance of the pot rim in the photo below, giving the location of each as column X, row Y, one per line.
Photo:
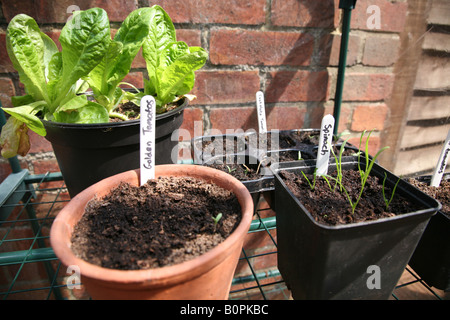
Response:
column 431, row 209
column 63, row 224
column 127, row 123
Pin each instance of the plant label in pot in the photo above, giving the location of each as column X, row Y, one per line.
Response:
column 147, row 138
column 442, row 163
column 260, row 107
column 325, row 139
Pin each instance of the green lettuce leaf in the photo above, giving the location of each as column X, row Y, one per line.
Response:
column 29, row 50
column 84, row 41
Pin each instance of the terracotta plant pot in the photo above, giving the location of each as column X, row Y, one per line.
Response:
column 208, row 276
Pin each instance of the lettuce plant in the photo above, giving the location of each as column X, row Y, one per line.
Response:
column 52, row 78
column 170, row 63
column 55, row 80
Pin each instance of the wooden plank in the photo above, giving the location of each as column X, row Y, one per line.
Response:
column 414, row 136
column 432, row 73
column 422, row 108
column 412, row 161
column 436, row 41
column 439, row 13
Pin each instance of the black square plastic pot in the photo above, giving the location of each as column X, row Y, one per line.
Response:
column 216, row 145
column 318, row 261
column 255, row 186
column 88, row 153
column 431, row 259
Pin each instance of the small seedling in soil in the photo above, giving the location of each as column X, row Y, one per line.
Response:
column 363, row 173
column 388, row 202
column 216, row 220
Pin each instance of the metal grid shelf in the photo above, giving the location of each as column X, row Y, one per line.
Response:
column 30, row 270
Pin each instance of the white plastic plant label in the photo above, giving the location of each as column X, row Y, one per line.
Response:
column 325, row 141
column 147, row 138
column 260, row 107
column 442, row 163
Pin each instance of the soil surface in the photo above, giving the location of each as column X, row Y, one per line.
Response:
column 332, row 207
column 441, row 193
column 131, row 110
column 241, row 172
column 164, row 222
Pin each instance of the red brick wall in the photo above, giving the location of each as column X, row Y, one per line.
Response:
column 289, row 49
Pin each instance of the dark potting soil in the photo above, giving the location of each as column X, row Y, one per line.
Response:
column 164, row 222
column 305, row 137
column 331, row 207
column 441, row 193
column 241, row 172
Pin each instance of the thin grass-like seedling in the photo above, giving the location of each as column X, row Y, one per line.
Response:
column 312, row 185
column 363, row 173
column 386, row 201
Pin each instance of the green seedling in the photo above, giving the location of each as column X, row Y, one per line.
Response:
column 312, row 184
column 230, row 170
column 386, row 201
column 216, row 220
column 363, row 173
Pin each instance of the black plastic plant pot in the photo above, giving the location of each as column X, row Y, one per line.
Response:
column 431, row 259
column 275, row 140
column 88, row 153
column 206, row 147
column 255, row 185
column 354, row 261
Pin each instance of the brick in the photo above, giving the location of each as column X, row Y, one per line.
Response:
column 291, row 86
column 344, row 117
column 190, row 117
column 190, row 36
column 224, row 119
column 374, row 143
column 5, row 63
column 6, row 91
column 48, row 11
column 245, row 118
column 391, row 15
column 250, row 12
column 295, row 13
column 38, row 144
column 136, row 78
column 329, row 50
column 47, row 165
column 380, row 52
column 224, row 87
column 369, row 117
column 240, row 47
column 367, row 87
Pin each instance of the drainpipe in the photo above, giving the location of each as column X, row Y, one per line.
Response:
column 347, row 6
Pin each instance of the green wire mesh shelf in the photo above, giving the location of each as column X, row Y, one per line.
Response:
column 30, row 270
